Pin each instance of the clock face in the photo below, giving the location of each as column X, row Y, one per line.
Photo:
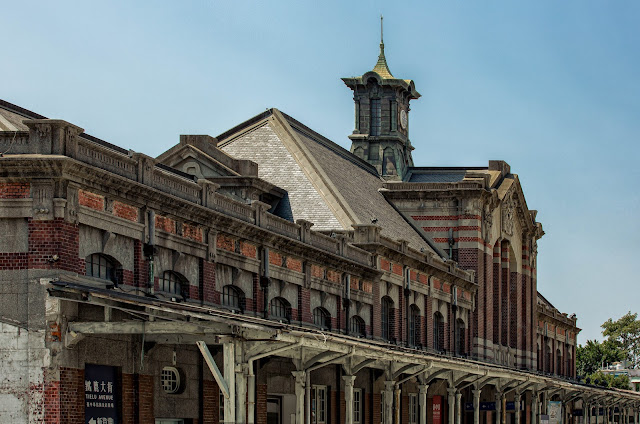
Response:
column 403, row 119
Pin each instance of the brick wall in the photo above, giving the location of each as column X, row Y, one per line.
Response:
column 56, row 237
column 210, row 294
column 211, row 398
column 128, row 212
column 91, row 200
column 71, row 395
column 261, row 404
column 14, row 190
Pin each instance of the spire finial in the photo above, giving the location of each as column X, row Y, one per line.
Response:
column 381, row 67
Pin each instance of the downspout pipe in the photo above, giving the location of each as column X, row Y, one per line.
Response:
column 151, row 216
column 251, row 378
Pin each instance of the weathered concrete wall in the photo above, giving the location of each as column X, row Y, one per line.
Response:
column 23, row 358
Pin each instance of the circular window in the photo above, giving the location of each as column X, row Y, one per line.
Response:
column 170, row 380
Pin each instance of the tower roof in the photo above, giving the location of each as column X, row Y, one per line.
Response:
column 384, row 75
column 381, row 67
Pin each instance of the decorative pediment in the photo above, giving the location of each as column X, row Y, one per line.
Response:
column 191, row 160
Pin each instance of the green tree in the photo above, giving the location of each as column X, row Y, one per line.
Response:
column 594, row 355
column 602, row 379
column 625, row 332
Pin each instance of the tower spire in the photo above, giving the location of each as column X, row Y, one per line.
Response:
column 381, row 66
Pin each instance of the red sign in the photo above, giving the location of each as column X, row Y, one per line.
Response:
column 437, row 410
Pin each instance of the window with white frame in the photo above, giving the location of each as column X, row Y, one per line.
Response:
column 319, row 404
column 413, row 408
column 357, row 406
column 221, row 407
column 382, row 410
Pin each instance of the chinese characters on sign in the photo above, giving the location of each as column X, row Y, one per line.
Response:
column 437, row 410
column 100, row 395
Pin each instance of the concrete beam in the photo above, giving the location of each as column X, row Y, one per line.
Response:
column 217, row 375
column 144, row 327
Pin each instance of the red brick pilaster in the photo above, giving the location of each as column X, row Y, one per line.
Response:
column 210, row 294
column 71, row 395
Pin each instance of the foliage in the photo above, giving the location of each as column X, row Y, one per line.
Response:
column 600, row 378
column 594, row 355
column 625, row 332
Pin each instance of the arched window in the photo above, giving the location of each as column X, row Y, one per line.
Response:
column 414, row 326
column 101, row 266
column 558, row 369
column 438, row 332
column 389, row 162
column 386, row 318
column 280, row 309
column 233, row 297
column 460, row 339
column 322, row 318
column 172, row 282
column 357, row 326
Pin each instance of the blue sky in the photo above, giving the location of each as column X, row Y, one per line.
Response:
column 551, row 87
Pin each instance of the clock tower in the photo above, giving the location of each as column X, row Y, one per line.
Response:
column 381, row 134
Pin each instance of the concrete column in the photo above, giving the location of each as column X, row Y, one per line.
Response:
column 348, row 398
column 516, row 401
column 398, row 408
column 388, row 401
column 423, row 403
column 597, row 412
column 229, row 373
column 606, row 415
column 458, row 406
column 241, row 394
column 585, row 412
column 300, row 377
column 451, row 399
column 498, row 408
column 476, row 406
column 534, row 408
column 251, row 398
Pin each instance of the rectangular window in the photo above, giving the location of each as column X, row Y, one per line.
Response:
column 357, row 406
column 319, row 405
column 413, row 408
column 221, row 408
column 382, row 410
column 376, row 114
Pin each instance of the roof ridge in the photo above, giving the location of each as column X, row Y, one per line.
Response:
column 331, row 145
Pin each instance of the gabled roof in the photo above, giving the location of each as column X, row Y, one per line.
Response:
column 327, row 184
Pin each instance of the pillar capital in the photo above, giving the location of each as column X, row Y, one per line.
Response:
column 349, row 380
column 300, row 377
column 423, row 388
column 389, row 385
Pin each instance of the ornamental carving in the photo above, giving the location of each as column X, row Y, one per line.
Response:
column 508, row 215
column 487, row 223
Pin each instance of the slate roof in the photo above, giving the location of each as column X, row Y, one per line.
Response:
column 327, row 184
column 277, row 166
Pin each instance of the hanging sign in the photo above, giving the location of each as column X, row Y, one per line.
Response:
column 487, row 406
column 101, row 397
column 437, row 410
column 555, row 412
